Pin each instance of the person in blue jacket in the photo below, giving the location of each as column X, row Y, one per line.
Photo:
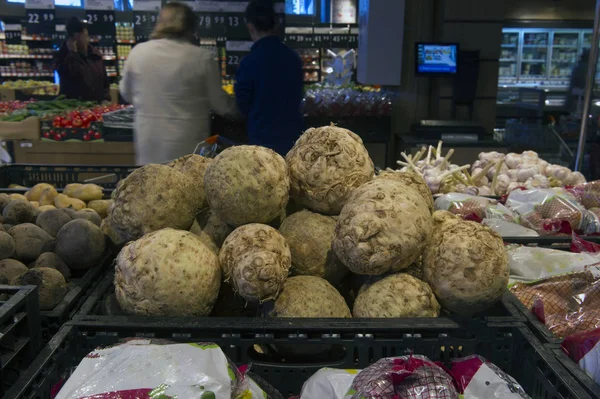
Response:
column 269, row 84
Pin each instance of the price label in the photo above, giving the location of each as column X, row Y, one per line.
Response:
column 344, row 40
column 60, row 35
column 211, row 24
column 299, row 40
column 235, row 51
column 40, row 22
column 101, row 23
column 322, row 40
column 12, row 33
column 143, row 24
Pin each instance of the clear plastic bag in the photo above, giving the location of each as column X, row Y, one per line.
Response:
column 471, row 207
column 328, row 383
column 411, row 377
column 509, row 229
column 213, row 146
column 588, row 194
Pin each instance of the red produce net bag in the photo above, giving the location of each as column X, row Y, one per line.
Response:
column 406, row 377
column 584, row 349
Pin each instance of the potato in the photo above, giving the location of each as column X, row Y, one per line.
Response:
column 19, row 197
column 45, row 208
column 11, row 268
column 100, row 206
column 27, row 195
column 53, row 220
column 36, row 191
column 88, row 192
column 53, row 261
column 52, row 286
column 62, row 201
column 4, row 200
column 89, row 214
column 47, row 196
column 71, row 188
column 80, row 243
column 7, row 245
column 30, row 241
column 35, row 204
column 18, row 211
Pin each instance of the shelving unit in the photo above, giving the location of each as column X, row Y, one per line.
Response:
column 32, row 57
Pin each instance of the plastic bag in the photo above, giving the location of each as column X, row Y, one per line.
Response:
column 584, row 349
column 479, row 379
column 411, row 377
column 213, row 146
column 509, row 229
column 567, row 304
column 471, row 207
column 588, row 194
column 546, row 211
column 328, row 383
column 171, row 370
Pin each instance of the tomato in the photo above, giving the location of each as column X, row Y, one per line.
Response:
column 57, row 137
column 86, row 137
column 47, row 135
column 97, row 135
column 77, row 122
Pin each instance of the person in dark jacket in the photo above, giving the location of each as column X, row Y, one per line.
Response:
column 269, row 84
column 80, row 66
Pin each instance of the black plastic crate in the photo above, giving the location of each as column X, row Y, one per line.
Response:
column 575, row 371
column 28, row 175
column 532, row 322
column 79, row 290
column 351, row 345
column 20, row 335
column 101, row 303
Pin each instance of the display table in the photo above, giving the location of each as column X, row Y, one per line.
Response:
column 82, row 153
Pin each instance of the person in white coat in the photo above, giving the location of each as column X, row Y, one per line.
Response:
column 173, row 85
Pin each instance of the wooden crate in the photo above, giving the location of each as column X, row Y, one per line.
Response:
column 80, row 153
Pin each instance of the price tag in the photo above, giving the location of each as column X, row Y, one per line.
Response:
column 60, row 35
column 301, row 40
column 12, row 33
column 100, row 17
column 145, row 15
column 235, row 51
column 345, row 40
column 39, row 17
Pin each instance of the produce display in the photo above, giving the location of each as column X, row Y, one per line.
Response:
column 492, row 174
column 322, row 100
column 46, row 241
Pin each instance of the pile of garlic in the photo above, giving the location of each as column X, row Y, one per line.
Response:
column 492, row 174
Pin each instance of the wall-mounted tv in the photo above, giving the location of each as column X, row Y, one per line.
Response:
column 436, row 59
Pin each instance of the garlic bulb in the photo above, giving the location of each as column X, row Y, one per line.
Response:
column 512, row 160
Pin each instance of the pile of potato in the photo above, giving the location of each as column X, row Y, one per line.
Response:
column 47, row 238
column 316, row 234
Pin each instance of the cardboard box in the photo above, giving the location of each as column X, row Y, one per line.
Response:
column 29, row 129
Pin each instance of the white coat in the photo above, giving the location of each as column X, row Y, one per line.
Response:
column 173, row 85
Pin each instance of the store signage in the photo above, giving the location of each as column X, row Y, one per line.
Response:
column 60, row 35
column 299, row 40
column 12, row 33
column 40, row 17
column 145, row 16
column 100, row 16
column 235, row 51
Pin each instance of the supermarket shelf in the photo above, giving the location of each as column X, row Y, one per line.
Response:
column 36, row 38
column 119, row 41
column 509, row 46
column 109, row 58
column 112, row 75
column 507, row 60
column 26, row 75
column 533, row 61
column 122, row 58
column 26, row 56
column 564, row 46
column 544, row 46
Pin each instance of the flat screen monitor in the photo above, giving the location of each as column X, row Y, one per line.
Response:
column 436, row 59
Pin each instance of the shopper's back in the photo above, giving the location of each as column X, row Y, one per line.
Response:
column 269, row 85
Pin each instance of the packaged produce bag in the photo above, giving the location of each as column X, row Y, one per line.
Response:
column 143, row 369
column 479, row 379
column 588, row 194
column 509, row 229
column 584, row 349
column 329, row 383
column 213, row 146
column 567, row 304
column 472, row 207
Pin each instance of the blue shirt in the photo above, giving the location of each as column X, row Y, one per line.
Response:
column 269, row 92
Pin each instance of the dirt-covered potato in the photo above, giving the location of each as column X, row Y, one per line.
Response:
column 88, row 192
column 53, row 261
column 4, row 200
column 194, row 166
column 51, row 221
column 30, row 241
column 47, row 196
column 384, row 227
column 167, row 273
column 35, row 204
column 18, row 211
column 62, row 201
column 309, row 236
column 7, row 245
column 89, row 214
column 247, row 184
column 413, row 180
column 52, row 286
column 11, row 268
column 465, row 264
column 256, row 260
column 326, row 164
column 397, row 295
column 71, row 188
column 151, row 198
column 17, row 197
column 100, row 206
column 36, row 191
column 80, row 244
column 44, row 208
column 309, row 296
column 210, row 229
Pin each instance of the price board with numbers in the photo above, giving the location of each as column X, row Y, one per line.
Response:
column 100, row 16
column 345, row 40
column 145, row 15
column 39, row 17
column 60, row 35
column 12, row 33
column 235, row 51
column 300, row 40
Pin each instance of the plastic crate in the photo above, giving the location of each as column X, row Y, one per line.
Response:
column 79, row 289
column 20, row 337
column 28, row 175
column 509, row 345
column 102, row 298
column 575, row 371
